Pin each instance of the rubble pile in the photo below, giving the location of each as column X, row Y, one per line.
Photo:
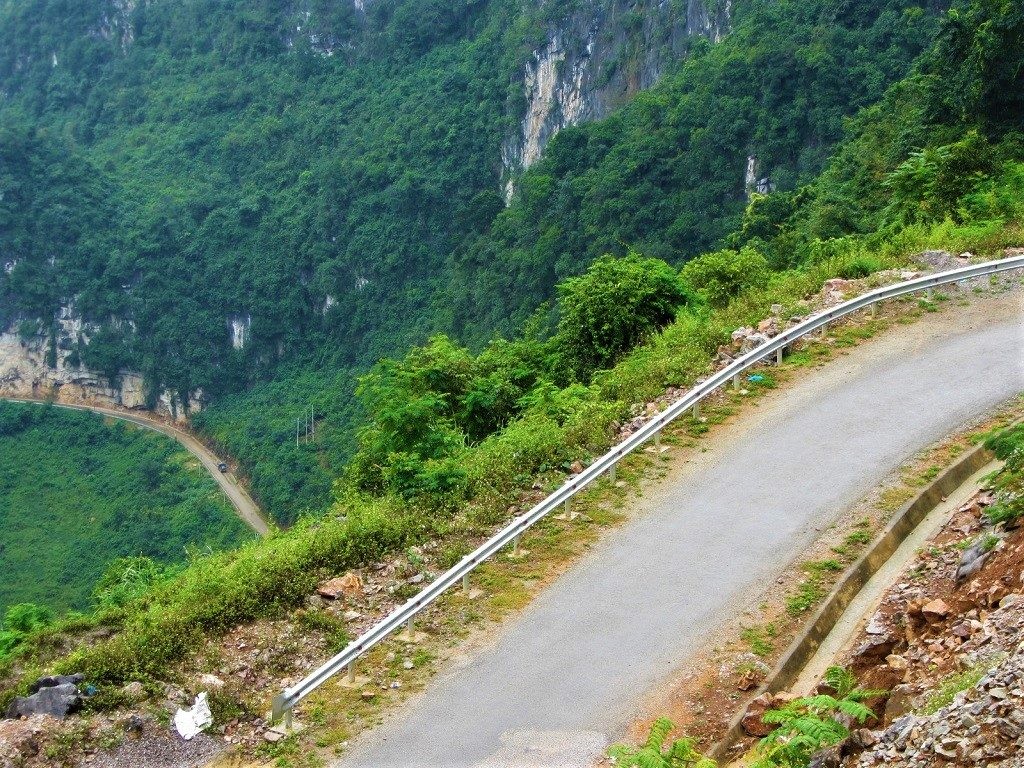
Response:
column 983, row 725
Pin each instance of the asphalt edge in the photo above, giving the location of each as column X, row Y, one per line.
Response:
column 806, row 643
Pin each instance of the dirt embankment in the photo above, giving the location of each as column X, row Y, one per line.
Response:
column 947, row 643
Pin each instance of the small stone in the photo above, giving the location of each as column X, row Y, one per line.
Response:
column 876, row 626
column 417, row 579
column 134, row 690
column 272, row 736
column 211, row 681
column 349, row 585
column 1011, row 600
column 897, row 662
column 935, row 611
column 407, row 664
column 876, row 647
column 752, row 723
column 134, row 725
column 962, row 630
column 900, row 702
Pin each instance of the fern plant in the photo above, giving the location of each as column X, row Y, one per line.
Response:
column 653, row 754
column 812, row 723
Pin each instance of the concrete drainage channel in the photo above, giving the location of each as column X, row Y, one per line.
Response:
column 804, row 647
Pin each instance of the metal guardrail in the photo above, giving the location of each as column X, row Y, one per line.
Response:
column 405, row 615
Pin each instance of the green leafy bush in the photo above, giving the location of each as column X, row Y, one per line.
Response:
column 721, row 276
column 860, row 267
column 681, row 753
column 612, row 308
column 809, row 724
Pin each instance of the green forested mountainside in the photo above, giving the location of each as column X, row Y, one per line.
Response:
column 928, row 163
column 76, row 493
column 664, row 175
column 247, row 174
column 453, row 437
column 178, row 165
column 943, row 144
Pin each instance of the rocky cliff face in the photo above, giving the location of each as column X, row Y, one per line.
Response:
column 597, row 58
column 35, row 367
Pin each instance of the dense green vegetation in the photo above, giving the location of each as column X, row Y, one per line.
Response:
column 76, row 493
column 1008, row 446
column 664, row 175
column 434, row 482
column 186, row 163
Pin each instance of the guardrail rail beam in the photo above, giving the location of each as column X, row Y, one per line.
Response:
column 285, row 702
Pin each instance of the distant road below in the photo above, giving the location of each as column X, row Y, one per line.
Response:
column 245, row 507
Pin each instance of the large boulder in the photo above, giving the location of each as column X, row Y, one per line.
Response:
column 752, row 723
column 56, row 696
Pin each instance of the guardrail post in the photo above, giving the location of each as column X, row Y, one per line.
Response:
column 657, row 441
column 611, row 473
column 465, row 584
column 928, row 294
column 278, row 708
column 351, row 672
column 778, row 355
column 410, row 636
column 696, row 411
column 874, row 309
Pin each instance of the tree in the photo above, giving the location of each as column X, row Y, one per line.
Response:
column 617, row 304
column 722, row 275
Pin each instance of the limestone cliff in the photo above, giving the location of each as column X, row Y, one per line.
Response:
column 595, row 59
column 37, row 365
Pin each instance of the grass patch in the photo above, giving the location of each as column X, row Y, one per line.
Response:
column 759, row 639
column 947, row 690
column 817, row 575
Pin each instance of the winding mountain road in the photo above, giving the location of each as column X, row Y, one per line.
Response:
column 246, row 509
column 556, row 684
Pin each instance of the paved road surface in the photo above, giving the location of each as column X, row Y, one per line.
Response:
column 245, row 507
column 570, row 674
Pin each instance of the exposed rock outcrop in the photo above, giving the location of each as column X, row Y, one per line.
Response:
column 598, row 57
column 34, row 366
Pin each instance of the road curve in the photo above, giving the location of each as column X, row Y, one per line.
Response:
column 567, row 676
column 240, row 499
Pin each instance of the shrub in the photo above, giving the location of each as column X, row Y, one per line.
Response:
column 722, row 275
column 814, row 722
column 654, row 754
column 608, row 311
column 862, row 266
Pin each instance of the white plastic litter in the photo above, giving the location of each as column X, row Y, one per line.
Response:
column 189, row 722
